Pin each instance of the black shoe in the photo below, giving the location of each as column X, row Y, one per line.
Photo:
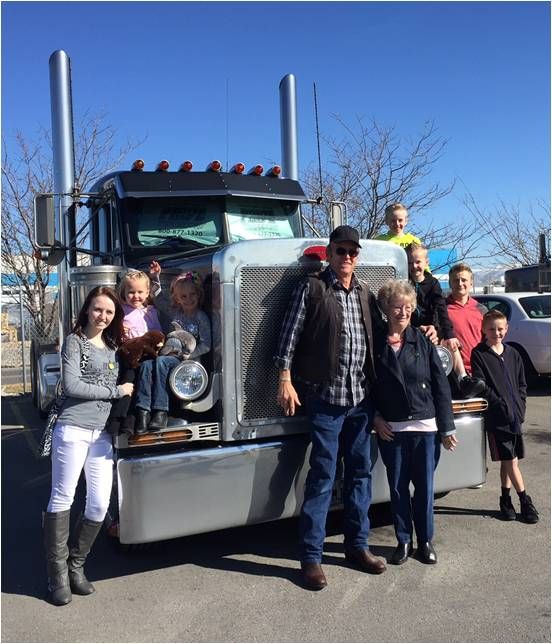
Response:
column 427, row 553
column 159, row 419
column 507, row 510
column 529, row 513
column 401, row 553
column 471, row 387
column 142, row 421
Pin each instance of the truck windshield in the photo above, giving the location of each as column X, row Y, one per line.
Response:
column 173, row 222
column 248, row 219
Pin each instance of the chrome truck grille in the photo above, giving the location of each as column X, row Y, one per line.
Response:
column 264, row 293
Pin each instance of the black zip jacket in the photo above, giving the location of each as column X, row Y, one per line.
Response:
column 506, row 387
column 431, row 307
column 412, row 384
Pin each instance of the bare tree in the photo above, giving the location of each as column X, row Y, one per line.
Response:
column 511, row 230
column 370, row 167
column 28, row 171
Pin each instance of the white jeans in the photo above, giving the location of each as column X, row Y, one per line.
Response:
column 72, row 449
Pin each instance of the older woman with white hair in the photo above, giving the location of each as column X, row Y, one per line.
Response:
column 413, row 411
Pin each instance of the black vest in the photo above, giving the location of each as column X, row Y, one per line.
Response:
column 316, row 353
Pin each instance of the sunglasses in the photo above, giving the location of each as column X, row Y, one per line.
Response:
column 353, row 252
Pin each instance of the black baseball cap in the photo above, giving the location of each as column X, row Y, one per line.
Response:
column 345, row 233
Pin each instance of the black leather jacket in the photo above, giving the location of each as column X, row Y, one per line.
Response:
column 412, row 384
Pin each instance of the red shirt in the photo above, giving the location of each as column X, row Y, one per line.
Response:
column 466, row 320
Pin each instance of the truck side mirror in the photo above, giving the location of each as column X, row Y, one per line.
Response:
column 44, row 221
column 337, row 214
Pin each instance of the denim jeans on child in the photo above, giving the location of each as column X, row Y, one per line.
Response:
column 410, row 456
column 333, row 426
column 152, row 386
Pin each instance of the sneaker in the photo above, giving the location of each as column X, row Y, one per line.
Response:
column 529, row 513
column 471, row 387
column 507, row 509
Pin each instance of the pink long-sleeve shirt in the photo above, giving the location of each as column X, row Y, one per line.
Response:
column 139, row 321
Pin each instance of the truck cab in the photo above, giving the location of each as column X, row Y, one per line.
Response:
column 140, row 215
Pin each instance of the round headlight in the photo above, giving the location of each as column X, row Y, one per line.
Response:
column 189, row 380
column 446, row 358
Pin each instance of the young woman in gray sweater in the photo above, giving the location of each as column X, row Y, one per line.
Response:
column 89, row 371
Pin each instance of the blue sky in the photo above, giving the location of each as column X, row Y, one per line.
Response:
column 480, row 70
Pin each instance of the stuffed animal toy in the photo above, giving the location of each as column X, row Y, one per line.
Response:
column 146, row 347
column 179, row 343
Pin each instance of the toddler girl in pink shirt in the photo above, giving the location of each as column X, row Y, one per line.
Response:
column 140, row 317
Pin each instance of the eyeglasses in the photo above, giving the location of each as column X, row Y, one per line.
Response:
column 353, row 252
column 399, row 309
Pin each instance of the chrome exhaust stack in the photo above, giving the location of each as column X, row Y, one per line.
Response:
column 64, row 170
column 288, row 127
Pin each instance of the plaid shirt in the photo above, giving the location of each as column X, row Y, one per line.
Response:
column 347, row 388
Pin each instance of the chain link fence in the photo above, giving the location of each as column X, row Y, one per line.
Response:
column 20, row 331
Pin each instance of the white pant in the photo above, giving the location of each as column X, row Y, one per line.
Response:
column 72, row 449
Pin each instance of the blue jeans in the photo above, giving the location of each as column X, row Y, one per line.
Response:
column 411, row 457
column 152, row 386
column 334, row 426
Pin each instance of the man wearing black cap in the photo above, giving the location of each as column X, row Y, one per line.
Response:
column 326, row 343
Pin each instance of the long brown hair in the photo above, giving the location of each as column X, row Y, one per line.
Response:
column 113, row 334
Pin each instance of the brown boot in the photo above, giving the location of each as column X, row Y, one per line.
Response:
column 364, row 560
column 313, row 576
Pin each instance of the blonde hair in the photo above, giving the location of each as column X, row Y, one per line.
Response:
column 133, row 275
column 191, row 277
column 390, row 209
column 414, row 246
column 396, row 288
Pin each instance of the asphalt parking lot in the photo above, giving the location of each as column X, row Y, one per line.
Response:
column 492, row 582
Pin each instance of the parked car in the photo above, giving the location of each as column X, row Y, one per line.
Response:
column 528, row 317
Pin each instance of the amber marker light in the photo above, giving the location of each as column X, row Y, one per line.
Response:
column 275, row 171
column 163, row 166
column 256, row 170
column 239, row 168
column 138, row 165
column 214, row 166
column 186, row 166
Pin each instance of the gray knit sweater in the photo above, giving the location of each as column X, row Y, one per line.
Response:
column 89, row 393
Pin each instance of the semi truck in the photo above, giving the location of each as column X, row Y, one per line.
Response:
column 228, row 457
column 530, row 277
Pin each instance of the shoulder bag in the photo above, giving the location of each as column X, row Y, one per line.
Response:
column 45, row 445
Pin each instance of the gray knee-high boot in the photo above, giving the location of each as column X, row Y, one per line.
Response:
column 56, row 534
column 85, row 534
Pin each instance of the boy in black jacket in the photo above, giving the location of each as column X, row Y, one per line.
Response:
column 431, row 310
column 501, row 367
